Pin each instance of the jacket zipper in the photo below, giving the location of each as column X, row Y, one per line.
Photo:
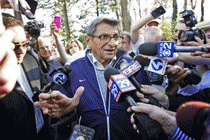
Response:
column 107, row 112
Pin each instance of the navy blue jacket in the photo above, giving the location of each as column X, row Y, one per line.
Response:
column 96, row 114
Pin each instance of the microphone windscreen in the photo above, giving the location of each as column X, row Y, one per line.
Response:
column 67, row 68
column 189, row 118
column 132, row 54
column 144, row 61
column 110, row 71
column 148, row 48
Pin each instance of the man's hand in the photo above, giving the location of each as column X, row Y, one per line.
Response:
column 148, row 90
column 57, row 104
column 54, row 30
column 206, row 55
column 203, row 54
column 14, row 4
column 176, row 73
column 165, row 119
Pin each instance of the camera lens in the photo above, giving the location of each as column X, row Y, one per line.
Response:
column 186, row 36
column 34, row 32
column 33, row 28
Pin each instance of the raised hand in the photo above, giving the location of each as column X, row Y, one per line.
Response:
column 14, row 4
column 57, row 104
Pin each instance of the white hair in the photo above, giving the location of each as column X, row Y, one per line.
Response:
column 152, row 34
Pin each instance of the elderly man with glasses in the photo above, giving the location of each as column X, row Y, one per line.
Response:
column 97, row 108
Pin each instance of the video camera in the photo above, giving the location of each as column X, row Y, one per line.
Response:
column 33, row 28
column 190, row 21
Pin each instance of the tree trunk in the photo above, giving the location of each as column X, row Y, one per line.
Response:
column 202, row 10
column 116, row 9
column 97, row 8
column 139, row 3
column 66, row 22
column 185, row 4
column 125, row 16
column 193, row 5
column 174, row 14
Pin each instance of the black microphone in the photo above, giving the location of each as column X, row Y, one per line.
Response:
column 119, row 85
column 193, row 118
column 132, row 54
column 130, row 70
column 133, row 68
column 153, row 49
column 59, row 77
column 121, row 89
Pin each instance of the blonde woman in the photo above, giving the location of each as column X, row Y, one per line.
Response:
column 70, row 53
column 75, row 49
column 73, row 46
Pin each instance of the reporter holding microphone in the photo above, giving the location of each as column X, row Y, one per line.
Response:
column 191, row 117
column 164, row 117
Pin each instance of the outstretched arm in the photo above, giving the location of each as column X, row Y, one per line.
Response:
column 155, row 13
column 57, row 104
column 63, row 55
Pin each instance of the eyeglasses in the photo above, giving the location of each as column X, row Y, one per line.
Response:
column 21, row 44
column 107, row 37
column 124, row 37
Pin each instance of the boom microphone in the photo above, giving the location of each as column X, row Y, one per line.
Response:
column 193, row 118
column 166, row 49
column 121, row 89
column 59, row 77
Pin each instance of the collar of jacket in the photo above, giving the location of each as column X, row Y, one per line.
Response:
column 119, row 56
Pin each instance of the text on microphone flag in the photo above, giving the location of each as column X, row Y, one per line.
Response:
column 165, row 49
column 119, row 84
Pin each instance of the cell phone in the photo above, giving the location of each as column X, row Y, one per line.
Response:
column 158, row 12
column 81, row 132
column 57, row 21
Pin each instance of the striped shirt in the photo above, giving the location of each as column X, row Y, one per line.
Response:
column 179, row 135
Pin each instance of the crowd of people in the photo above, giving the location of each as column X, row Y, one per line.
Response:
column 84, row 99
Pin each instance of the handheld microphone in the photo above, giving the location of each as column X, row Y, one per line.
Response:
column 59, row 77
column 151, row 49
column 132, row 54
column 166, row 49
column 121, row 89
column 119, row 86
column 193, row 118
column 129, row 72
